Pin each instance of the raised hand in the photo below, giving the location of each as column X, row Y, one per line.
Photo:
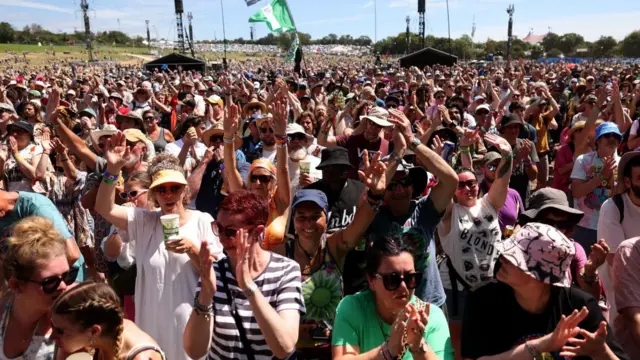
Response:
column 469, row 137
column 499, row 142
column 58, row 146
column 45, row 141
column 116, row 150
column 191, row 137
column 402, row 124
column 437, row 145
column 280, row 118
column 598, row 255
column 592, row 345
column 243, row 259
column 207, row 275
column 230, row 122
column 373, row 175
column 13, row 145
column 566, row 329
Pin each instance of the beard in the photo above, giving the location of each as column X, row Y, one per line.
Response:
column 269, row 141
column 132, row 160
column 636, row 190
column 298, row 154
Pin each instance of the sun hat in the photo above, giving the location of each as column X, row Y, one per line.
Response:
column 622, row 165
column 542, row 252
column 21, row 124
column 378, row 116
column 295, row 128
column 107, row 130
column 135, row 115
column 254, row 102
column 115, row 95
column 608, row 128
column 214, row 100
column 166, row 177
column 315, row 196
column 334, row 157
column 134, row 135
column 8, row 107
column 550, row 198
column 218, row 128
column 88, row 111
column 510, row 120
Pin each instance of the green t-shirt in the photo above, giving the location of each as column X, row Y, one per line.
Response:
column 358, row 324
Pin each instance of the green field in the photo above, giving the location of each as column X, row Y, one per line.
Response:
column 19, row 48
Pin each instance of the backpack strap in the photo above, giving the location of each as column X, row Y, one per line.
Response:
column 617, row 199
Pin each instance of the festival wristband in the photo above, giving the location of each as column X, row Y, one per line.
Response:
column 282, row 141
column 109, row 178
column 228, row 141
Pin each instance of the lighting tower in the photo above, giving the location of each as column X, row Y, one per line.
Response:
column 148, row 36
column 421, row 20
column 408, row 34
column 179, row 26
column 84, row 6
column 510, row 10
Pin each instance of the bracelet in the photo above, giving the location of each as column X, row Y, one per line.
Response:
column 17, row 157
column 250, row 290
column 46, row 153
column 384, row 350
column 227, row 140
column 395, row 157
column 374, row 197
column 534, row 353
column 110, row 177
column 64, row 160
column 281, row 146
column 282, row 138
column 281, row 141
column 465, row 148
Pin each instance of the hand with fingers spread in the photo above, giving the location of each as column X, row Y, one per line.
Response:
column 373, row 174
column 566, row 329
column 116, row 150
column 230, row 122
column 280, row 118
column 593, row 345
column 402, row 124
column 438, row 145
column 499, row 142
column 207, row 274
column 45, row 141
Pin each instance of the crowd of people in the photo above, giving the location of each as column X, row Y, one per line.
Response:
column 351, row 211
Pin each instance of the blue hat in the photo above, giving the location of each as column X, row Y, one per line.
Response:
column 89, row 111
column 607, row 128
column 315, row 196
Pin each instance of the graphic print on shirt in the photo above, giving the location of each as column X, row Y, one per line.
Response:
column 545, row 355
column 477, row 235
column 599, row 195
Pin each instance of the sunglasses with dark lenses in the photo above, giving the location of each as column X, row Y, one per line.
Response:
column 216, row 138
column 405, row 183
column 265, row 130
column 165, row 189
column 492, row 167
column 392, row 106
column 558, row 224
column 221, row 230
column 149, row 118
column 51, row 284
column 131, row 194
column 264, row 179
column 393, row 280
column 469, row 183
column 297, row 137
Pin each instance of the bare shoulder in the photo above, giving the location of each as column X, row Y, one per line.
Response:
column 134, row 337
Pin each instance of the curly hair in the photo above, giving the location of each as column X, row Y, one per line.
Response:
column 37, row 110
column 165, row 161
column 34, row 240
column 313, row 121
column 91, row 304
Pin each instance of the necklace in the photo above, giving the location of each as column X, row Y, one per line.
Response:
column 306, row 253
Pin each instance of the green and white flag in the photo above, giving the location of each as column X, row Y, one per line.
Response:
column 276, row 15
column 291, row 55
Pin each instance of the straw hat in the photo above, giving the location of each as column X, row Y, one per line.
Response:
column 255, row 102
column 217, row 128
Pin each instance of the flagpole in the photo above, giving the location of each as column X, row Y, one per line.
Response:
column 293, row 22
column 224, row 37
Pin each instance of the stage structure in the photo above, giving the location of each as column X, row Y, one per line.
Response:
column 84, row 6
column 422, row 24
column 180, row 26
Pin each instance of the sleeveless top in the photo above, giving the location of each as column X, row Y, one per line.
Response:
column 135, row 351
column 40, row 347
column 160, row 143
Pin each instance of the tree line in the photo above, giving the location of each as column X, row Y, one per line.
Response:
column 553, row 45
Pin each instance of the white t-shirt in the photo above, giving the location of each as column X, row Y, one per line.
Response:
column 470, row 242
column 610, row 229
column 166, row 282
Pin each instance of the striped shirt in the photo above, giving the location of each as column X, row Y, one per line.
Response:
column 279, row 283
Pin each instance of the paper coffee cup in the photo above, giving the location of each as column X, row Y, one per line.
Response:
column 170, row 225
column 305, row 167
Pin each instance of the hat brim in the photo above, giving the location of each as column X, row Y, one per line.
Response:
column 378, row 121
column 20, row 126
column 237, row 143
column 574, row 214
column 96, row 135
column 263, row 107
column 334, row 162
column 120, row 118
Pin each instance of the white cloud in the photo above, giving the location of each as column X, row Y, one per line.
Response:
column 369, row 4
column 35, row 5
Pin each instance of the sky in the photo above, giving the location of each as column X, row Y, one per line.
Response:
column 590, row 18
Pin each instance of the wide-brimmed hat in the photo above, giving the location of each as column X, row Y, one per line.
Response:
column 218, row 128
column 135, row 115
column 378, row 116
column 254, row 102
column 135, row 135
column 115, row 95
column 622, row 164
column 167, row 177
column 7, row 107
column 608, row 128
column 294, row 128
column 214, row 100
column 550, row 198
column 107, row 130
column 21, row 124
column 333, row 157
column 542, row 252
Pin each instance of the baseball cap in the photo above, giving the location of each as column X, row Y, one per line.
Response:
column 310, row 195
column 378, row 116
column 607, row 128
column 134, row 135
column 483, row 106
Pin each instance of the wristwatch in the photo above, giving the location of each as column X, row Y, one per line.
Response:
column 414, row 142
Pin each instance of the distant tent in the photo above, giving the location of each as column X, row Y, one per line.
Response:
column 428, row 56
column 174, row 60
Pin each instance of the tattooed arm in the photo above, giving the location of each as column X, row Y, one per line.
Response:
column 500, row 187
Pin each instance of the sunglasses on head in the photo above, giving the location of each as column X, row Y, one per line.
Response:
column 469, row 183
column 265, row 130
column 264, row 179
column 216, row 138
column 131, row 194
column 168, row 189
column 297, row 137
column 226, row 231
column 405, row 183
column 392, row 281
column 52, row 283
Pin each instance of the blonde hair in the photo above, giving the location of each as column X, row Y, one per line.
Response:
column 91, row 304
column 165, row 161
column 34, row 240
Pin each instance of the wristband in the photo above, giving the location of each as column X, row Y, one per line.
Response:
column 109, row 178
column 374, row 197
column 282, row 138
column 281, row 141
column 250, row 290
column 228, row 141
column 17, row 157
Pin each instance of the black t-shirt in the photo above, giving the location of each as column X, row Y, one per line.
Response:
column 519, row 179
column 209, row 196
column 342, row 207
column 495, row 323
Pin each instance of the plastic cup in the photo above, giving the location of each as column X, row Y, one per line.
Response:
column 170, row 226
column 305, row 167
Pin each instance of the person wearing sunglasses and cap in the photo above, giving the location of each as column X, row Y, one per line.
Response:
column 36, row 271
column 168, row 280
column 387, row 321
column 532, row 311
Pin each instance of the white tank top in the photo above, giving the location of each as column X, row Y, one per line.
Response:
column 471, row 242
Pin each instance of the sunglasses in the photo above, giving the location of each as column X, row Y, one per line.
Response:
column 174, row 189
column 392, row 106
column 265, row 130
column 393, row 280
column 297, row 137
column 221, row 230
column 469, row 183
column 264, row 179
column 558, row 224
column 51, row 284
column 405, row 183
column 131, row 194
column 149, row 118
column 216, row 138
column 492, row 167
column 254, row 108
column 483, row 113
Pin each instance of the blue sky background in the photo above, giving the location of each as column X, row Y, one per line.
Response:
column 590, row 18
